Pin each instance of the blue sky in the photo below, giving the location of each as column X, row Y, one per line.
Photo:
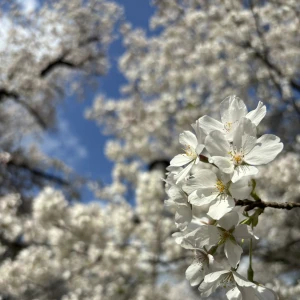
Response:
column 78, row 141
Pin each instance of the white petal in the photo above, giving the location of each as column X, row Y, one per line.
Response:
column 242, row 231
column 196, row 239
column 232, row 109
column 244, row 136
column 176, row 194
column 257, row 114
column 248, row 293
column 233, row 252
column 188, row 241
column 199, row 148
column 234, row 294
column 229, row 220
column 217, row 145
column 248, row 143
column 193, row 197
column 225, row 178
column 209, row 124
column 215, row 276
column 183, row 216
column 182, row 174
column 201, row 179
column 263, row 293
column 266, row 149
column 214, row 234
column 199, row 132
column 194, row 273
column 203, row 200
column 220, row 208
column 242, row 171
column 206, row 288
column 223, row 163
column 187, row 138
column 180, row 160
column 178, row 237
column 241, row 189
column 241, row 281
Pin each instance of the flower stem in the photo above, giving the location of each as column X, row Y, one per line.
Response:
column 250, row 270
column 213, row 250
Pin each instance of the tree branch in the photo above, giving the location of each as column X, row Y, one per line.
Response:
column 60, row 62
column 16, row 98
column 38, row 173
column 261, row 204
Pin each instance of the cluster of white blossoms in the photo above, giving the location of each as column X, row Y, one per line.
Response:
column 86, row 251
column 233, row 150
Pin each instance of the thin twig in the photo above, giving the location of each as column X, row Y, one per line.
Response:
column 261, row 204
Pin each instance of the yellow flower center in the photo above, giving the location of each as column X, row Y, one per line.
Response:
column 237, row 158
column 228, row 126
column 189, row 151
column 220, row 186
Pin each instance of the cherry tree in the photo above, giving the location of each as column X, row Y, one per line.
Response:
column 47, row 53
column 51, row 247
column 200, row 53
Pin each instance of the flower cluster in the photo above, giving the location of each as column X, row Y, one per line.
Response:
column 232, row 151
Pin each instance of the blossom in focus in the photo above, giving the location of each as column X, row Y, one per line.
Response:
column 179, row 200
column 228, row 233
column 229, row 280
column 232, row 111
column 201, row 265
column 217, row 191
column 193, row 146
column 254, row 292
column 245, row 152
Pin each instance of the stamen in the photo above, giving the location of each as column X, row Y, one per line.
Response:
column 238, row 159
column 228, row 126
column 220, row 186
column 189, row 151
column 201, row 259
column 227, row 281
column 237, row 156
column 224, row 235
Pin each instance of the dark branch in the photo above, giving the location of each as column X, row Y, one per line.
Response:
column 261, row 204
column 258, row 203
column 5, row 93
column 16, row 98
column 38, row 173
column 60, row 62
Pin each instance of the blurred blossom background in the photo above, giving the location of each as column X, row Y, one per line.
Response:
column 93, row 96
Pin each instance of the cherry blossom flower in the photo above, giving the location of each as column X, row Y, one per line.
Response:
column 226, row 279
column 193, row 146
column 239, row 287
column 179, row 200
column 217, row 191
column 228, row 233
column 254, row 292
column 232, row 110
column 245, row 152
column 201, row 265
